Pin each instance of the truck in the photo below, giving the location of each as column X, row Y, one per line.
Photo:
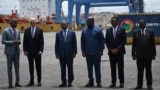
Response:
column 131, row 22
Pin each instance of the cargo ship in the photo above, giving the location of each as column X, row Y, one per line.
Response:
column 23, row 23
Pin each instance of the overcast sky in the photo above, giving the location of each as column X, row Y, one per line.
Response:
column 150, row 5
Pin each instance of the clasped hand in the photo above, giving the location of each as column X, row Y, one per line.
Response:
column 16, row 42
column 114, row 51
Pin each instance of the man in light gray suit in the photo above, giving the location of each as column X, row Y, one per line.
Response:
column 11, row 40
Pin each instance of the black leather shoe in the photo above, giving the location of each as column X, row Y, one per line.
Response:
column 89, row 84
column 63, row 85
column 69, row 85
column 113, row 85
column 10, row 86
column 39, row 84
column 17, row 85
column 30, row 84
column 138, row 87
column 121, row 85
column 99, row 85
column 150, row 87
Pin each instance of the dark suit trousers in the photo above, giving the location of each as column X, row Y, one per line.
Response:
column 114, row 61
column 37, row 59
column 94, row 60
column 66, row 61
column 144, row 63
column 13, row 59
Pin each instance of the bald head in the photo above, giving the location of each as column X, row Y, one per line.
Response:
column 90, row 22
column 90, row 19
column 142, row 24
column 142, row 21
column 64, row 25
column 63, row 21
column 13, row 23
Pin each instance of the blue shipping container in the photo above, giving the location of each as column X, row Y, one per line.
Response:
column 131, row 22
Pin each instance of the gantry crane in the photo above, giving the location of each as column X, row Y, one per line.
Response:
column 135, row 6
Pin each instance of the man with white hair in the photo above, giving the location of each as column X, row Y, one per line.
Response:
column 33, row 44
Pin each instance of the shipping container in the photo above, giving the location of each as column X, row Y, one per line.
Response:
column 131, row 22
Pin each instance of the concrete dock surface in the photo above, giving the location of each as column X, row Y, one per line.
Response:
column 51, row 69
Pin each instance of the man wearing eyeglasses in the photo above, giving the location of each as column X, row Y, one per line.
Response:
column 33, row 44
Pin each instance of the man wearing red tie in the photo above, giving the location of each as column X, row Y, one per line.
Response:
column 115, row 41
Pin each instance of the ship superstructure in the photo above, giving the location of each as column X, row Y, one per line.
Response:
column 37, row 8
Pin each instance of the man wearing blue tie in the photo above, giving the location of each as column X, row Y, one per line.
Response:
column 65, row 51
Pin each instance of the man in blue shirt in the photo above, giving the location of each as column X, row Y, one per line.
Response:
column 92, row 45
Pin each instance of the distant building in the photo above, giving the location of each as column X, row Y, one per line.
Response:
column 37, row 8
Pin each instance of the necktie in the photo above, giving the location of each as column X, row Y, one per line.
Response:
column 114, row 32
column 32, row 32
column 142, row 32
column 64, row 34
column 14, row 32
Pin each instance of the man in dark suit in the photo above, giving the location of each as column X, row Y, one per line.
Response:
column 11, row 40
column 33, row 44
column 115, row 41
column 65, row 51
column 143, row 51
column 92, row 45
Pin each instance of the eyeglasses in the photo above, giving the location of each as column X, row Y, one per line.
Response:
column 32, row 22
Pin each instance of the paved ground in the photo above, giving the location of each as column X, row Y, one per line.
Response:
column 51, row 70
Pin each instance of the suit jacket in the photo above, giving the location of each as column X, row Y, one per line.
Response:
column 92, row 41
column 143, row 46
column 118, row 42
column 8, row 38
column 35, row 44
column 67, row 48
